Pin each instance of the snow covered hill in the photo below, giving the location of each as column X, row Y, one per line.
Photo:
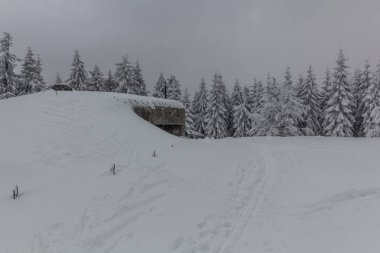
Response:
column 232, row 195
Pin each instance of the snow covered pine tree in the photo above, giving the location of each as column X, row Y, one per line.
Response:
column 189, row 122
column 369, row 106
column 365, row 99
column 160, row 88
column 265, row 122
column 199, row 108
column 78, row 74
column 310, row 98
column 8, row 78
column 292, row 110
column 58, row 79
column 95, row 82
column 124, row 75
column 241, row 116
column 338, row 118
column 174, row 89
column 216, row 111
column 31, row 78
column 110, row 83
column 139, row 82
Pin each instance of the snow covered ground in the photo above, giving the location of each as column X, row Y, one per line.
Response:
column 233, row 195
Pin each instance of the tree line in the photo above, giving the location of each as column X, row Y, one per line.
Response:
column 344, row 105
column 30, row 78
column 127, row 77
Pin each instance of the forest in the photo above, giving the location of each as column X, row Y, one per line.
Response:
column 345, row 104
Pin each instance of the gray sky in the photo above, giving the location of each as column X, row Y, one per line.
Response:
column 191, row 39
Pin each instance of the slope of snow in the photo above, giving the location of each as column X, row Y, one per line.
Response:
column 233, row 195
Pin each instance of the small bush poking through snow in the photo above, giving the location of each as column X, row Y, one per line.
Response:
column 113, row 169
column 15, row 192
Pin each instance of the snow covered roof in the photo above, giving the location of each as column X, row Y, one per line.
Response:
column 60, row 86
column 152, row 102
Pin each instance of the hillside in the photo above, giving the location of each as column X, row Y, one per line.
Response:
column 233, row 195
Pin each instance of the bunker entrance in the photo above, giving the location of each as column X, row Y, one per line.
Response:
column 173, row 129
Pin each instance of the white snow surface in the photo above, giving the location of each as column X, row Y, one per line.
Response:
column 152, row 102
column 287, row 195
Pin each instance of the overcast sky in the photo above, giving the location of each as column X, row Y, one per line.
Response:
column 193, row 38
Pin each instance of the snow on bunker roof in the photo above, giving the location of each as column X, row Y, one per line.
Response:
column 152, row 102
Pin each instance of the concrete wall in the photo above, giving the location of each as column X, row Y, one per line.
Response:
column 169, row 119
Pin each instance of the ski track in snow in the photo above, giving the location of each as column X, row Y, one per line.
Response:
column 217, row 233
column 339, row 199
column 248, row 213
column 100, row 229
column 220, row 232
column 124, row 209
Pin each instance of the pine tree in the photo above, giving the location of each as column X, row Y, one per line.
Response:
column 272, row 89
column 229, row 108
column 189, row 122
column 369, row 94
column 28, row 74
column 96, row 81
column 199, row 108
column 31, row 78
column 41, row 84
column 363, row 83
column 246, row 92
column 326, row 90
column 310, row 98
column 256, row 96
column 288, row 83
column 125, row 76
column 78, row 73
column 241, row 117
column 357, row 95
column 58, row 79
column 160, row 88
column 8, row 78
column 174, row 89
column 292, row 110
column 338, row 119
column 110, row 83
column 299, row 86
column 139, row 79
column 374, row 130
column 265, row 121
column 236, row 100
column 237, row 94
column 356, row 86
column 216, row 111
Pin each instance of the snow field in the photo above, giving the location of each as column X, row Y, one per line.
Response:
column 233, row 195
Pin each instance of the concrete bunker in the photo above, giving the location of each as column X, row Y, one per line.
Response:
column 60, row 86
column 170, row 119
